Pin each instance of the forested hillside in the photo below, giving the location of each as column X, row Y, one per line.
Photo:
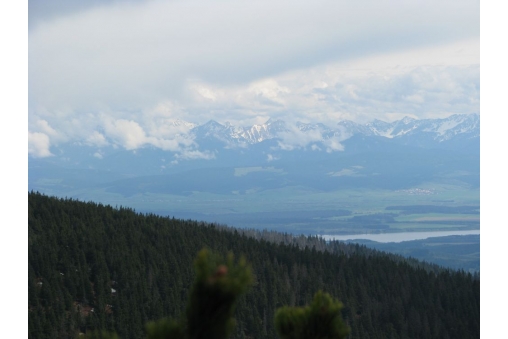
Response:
column 98, row 267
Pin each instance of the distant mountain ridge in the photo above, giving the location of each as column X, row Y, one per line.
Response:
column 438, row 130
column 238, row 175
column 227, row 159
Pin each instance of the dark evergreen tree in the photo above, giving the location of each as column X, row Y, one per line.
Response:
column 131, row 268
column 212, row 300
column 322, row 319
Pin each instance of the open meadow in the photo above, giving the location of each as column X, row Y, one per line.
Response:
column 431, row 207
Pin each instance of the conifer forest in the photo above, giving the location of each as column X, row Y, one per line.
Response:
column 95, row 267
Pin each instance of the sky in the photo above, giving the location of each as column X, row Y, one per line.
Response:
column 125, row 70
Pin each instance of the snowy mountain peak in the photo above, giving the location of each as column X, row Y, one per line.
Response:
column 407, row 120
column 259, row 133
column 432, row 129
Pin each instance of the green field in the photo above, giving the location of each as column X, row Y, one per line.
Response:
column 296, row 209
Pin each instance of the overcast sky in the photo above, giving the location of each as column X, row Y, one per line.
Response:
column 101, row 70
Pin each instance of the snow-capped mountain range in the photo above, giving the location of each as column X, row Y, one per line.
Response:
column 222, row 158
column 439, row 130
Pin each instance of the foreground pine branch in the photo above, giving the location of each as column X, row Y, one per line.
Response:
column 212, row 304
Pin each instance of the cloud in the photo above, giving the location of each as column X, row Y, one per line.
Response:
column 44, row 127
column 127, row 133
column 163, row 122
column 194, row 154
column 268, row 89
column 423, row 92
column 131, row 54
column 333, row 145
column 127, row 73
column 383, row 87
column 174, row 144
column 295, row 138
column 131, row 135
column 97, row 139
column 344, row 172
column 271, row 157
column 38, row 145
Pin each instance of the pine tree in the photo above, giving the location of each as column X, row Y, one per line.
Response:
column 320, row 320
column 212, row 300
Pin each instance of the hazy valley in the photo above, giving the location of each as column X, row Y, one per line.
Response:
column 409, row 175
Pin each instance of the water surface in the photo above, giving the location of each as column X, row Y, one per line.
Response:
column 399, row 237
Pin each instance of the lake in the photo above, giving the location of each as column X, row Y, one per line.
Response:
column 398, row 237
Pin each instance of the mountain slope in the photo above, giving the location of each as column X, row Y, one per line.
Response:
column 95, row 267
